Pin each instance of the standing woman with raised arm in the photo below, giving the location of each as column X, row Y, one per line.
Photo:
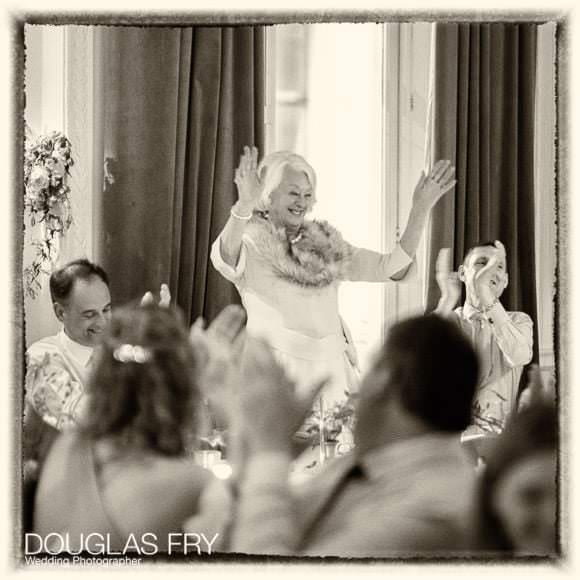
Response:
column 287, row 269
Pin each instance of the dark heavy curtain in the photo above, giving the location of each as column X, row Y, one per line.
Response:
column 179, row 104
column 483, row 122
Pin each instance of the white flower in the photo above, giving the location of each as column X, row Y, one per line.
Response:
column 61, row 148
column 39, row 178
column 56, row 166
column 55, row 181
column 46, row 162
column 32, row 194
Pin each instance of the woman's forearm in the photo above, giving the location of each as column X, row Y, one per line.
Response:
column 249, row 189
column 429, row 189
column 231, row 236
column 414, row 230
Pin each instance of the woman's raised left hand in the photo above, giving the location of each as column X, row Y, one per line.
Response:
column 432, row 187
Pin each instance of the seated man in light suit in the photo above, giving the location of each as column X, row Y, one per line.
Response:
column 406, row 489
column 58, row 365
column 502, row 339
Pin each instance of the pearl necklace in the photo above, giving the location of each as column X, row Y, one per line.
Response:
column 291, row 239
column 297, row 237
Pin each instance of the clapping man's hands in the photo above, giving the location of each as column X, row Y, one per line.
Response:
column 448, row 282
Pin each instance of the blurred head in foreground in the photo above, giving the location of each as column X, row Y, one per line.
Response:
column 517, row 495
column 423, row 380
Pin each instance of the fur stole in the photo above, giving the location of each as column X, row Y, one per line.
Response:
column 316, row 260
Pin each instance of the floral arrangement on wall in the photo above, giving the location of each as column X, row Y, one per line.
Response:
column 47, row 163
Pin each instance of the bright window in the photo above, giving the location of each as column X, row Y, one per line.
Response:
column 335, row 97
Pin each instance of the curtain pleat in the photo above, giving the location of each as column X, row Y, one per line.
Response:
column 483, row 121
column 180, row 104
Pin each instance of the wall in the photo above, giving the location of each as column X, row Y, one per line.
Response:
column 545, row 193
column 44, row 113
column 59, row 97
column 407, row 70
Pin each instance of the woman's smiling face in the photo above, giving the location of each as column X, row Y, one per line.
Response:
column 291, row 200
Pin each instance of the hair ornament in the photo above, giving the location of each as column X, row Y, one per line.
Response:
column 132, row 353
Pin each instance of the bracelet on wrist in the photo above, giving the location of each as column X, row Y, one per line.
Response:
column 244, row 218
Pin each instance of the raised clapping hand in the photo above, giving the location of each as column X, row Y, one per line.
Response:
column 432, row 187
column 270, row 409
column 247, row 181
column 448, row 281
column 218, row 349
column 164, row 297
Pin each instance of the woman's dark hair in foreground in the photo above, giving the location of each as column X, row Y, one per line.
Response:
column 143, row 390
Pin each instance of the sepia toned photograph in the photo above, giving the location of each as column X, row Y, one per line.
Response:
column 289, row 290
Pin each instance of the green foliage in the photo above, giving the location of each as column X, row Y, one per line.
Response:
column 47, row 163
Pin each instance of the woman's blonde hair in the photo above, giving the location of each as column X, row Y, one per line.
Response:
column 271, row 169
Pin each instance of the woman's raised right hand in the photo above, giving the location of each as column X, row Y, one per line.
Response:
column 247, row 181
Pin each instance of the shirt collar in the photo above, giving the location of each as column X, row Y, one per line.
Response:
column 469, row 312
column 79, row 351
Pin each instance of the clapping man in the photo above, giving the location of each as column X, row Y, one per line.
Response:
column 502, row 339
